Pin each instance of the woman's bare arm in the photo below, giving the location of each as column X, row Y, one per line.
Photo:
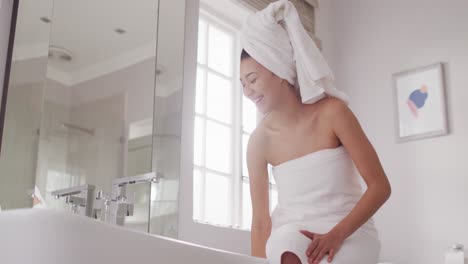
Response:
column 348, row 130
column 259, row 193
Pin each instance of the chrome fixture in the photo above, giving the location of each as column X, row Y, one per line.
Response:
column 79, row 197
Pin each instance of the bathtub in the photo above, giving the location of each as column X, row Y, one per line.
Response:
column 44, row 236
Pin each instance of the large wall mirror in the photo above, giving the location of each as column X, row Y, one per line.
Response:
column 103, row 84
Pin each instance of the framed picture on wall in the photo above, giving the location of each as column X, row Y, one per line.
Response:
column 419, row 96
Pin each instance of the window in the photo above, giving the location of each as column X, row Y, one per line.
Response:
column 224, row 120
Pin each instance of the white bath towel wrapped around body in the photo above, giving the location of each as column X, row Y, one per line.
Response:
column 315, row 192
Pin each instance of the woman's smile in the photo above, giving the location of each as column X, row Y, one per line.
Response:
column 258, row 99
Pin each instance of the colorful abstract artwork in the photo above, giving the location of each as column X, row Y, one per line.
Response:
column 420, row 103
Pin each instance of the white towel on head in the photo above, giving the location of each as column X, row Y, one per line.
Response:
column 276, row 38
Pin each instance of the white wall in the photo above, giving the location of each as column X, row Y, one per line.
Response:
column 323, row 29
column 366, row 41
column 137, row 81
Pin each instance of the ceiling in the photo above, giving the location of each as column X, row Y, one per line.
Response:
column 87, row 29
column 29, row 29
column 231, row 10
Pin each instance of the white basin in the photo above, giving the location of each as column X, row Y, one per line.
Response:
column 53, row 237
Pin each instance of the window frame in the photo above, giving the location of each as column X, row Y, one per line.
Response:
column 235, row 197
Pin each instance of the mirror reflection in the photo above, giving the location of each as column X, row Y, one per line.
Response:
column 98, row 100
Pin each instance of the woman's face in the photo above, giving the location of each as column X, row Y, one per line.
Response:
column 260, row 85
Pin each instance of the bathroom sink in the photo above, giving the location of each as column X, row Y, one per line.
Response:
column 52, row 237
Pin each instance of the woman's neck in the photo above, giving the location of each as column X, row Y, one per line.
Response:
column 286, row 114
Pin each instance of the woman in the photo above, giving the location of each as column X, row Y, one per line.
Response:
column 315, row 145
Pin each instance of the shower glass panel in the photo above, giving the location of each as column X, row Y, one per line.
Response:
column 168, row 118
column 98, row 104
column 18, row 159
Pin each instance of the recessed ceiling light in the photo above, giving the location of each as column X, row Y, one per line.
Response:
column 45, row 19
column 120, row 31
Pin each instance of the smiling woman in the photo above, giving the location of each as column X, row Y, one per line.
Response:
column 315, row 144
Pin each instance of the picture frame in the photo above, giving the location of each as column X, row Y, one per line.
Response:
column 420, row 103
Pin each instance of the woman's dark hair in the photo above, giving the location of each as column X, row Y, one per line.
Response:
column 244, row 55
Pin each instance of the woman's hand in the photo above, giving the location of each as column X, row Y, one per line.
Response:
column 322, row 244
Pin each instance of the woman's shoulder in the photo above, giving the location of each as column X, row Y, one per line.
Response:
column 258, row 136
column 329, row 107
column 325, row 113
column 256, row 146
column 331, row 103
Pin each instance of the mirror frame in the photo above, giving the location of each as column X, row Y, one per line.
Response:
column 6, row 78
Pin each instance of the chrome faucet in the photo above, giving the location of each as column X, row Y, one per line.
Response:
column 79, row 197
column 111, row 209
column 114, row 207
